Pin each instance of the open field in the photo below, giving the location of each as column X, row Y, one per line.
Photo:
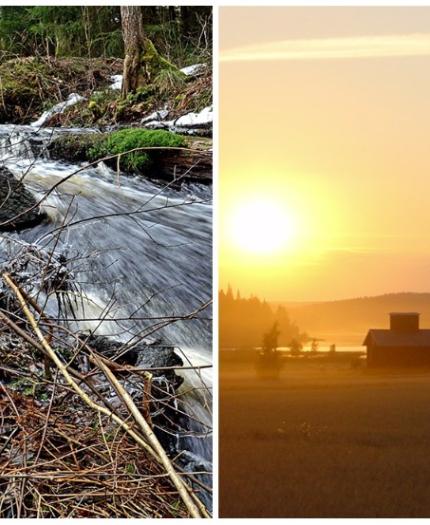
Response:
column 325, row 440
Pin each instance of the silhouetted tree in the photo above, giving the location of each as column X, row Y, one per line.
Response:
column 296, row 347
column 270, row 339
column 314, row 346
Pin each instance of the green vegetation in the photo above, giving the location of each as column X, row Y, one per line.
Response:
column 165, row 75
column 49, row 52
column 168, row 80
column 61, row 31
column 168, row 89
column 30, row 85
column 30, row 388
column 93, row 146
column 180, row 34
column 120, row 142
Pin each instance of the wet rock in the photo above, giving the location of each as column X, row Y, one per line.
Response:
column 110, row 349
column 167, row 419
column 156, row 357
column 18, row 208
column 73, row 147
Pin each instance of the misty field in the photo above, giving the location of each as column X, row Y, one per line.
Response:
column 325, row 440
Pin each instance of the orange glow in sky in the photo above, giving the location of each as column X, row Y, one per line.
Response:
column 325, row 170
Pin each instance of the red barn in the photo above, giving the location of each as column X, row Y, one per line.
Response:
column 403, row 344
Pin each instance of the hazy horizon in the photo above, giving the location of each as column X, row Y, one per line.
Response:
column 310, row 301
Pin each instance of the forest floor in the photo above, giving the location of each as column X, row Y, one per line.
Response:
column 324, row 440
column 31, row 85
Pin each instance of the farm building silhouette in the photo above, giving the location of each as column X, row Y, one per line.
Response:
column 403, row 344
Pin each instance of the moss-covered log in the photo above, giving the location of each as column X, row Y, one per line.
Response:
column 182, row 157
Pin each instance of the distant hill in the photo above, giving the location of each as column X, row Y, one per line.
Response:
column 347, row 321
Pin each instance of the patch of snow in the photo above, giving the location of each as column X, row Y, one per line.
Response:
column 190, row 124
column 194, row 71
column 160, row 124
column 194, row 120
column 72, row 99
column 156, row 115
column 116, row 82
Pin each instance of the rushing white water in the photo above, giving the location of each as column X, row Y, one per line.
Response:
column 148, row 254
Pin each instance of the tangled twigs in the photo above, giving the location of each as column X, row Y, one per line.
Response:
column 152, row 447
column 85, row 469
column 149, row 434
column 63, row 369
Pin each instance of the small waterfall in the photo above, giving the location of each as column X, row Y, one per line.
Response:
column 148, row 253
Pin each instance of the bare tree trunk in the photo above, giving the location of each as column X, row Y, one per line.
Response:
column 132, row 32
column 186, row 18
column 86, row 22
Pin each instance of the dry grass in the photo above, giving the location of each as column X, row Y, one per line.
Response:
column 325, row 440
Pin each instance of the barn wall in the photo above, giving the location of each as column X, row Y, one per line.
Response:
column 395, row 356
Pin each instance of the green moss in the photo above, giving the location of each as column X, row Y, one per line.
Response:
column 169, row 80
column 30, row 388
column 130, row 468
column 20, row 87
column 143, row 95
column 154, row 62
column 120, row 142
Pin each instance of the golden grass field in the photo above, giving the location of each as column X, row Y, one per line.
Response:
column 325, row 440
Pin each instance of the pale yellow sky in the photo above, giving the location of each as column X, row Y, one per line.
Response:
column 326, row 112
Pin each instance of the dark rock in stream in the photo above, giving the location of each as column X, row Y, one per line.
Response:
column 18, row 208
column 167, row 417
column 155, row 356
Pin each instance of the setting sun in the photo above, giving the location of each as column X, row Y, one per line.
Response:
column 262, row 227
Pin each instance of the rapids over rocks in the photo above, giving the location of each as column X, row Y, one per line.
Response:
column 142, row 252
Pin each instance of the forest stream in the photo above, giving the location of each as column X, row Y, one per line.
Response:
column 148, row 254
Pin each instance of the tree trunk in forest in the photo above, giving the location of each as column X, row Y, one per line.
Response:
column 186, row 19
column 132, row 33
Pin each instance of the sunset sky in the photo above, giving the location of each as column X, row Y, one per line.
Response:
column 325, row 151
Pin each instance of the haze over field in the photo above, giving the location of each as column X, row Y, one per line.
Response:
column 324, row 151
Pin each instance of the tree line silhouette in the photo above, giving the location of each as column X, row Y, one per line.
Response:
column 244, row 321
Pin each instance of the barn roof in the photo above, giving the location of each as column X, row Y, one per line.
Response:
column 393, row 338
column 404, row 313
